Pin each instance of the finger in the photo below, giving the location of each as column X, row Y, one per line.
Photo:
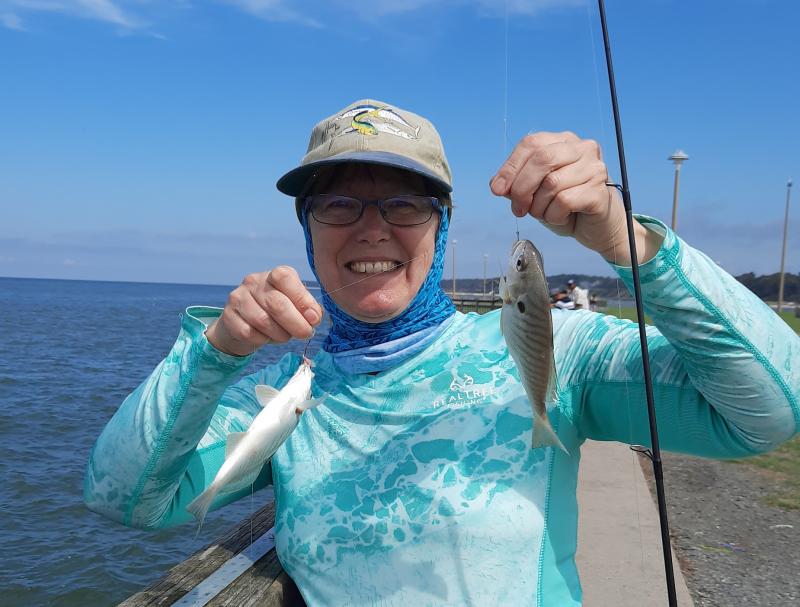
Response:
column 586, row 170
column 247, row 338
column 287, row 281
column 570, row 201
column 530, row 146
column 256, row 316
column 281, row 311
column 544, row 161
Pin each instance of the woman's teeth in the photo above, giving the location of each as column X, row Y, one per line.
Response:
column 371, row 267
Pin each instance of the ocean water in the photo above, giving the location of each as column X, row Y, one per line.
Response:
column 70, row 351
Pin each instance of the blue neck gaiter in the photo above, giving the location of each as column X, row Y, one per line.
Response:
column 427, row 311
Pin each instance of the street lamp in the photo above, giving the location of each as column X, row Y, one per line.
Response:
column 678, row 157
column 783, row 252
column 455, row 242
column 485, row 258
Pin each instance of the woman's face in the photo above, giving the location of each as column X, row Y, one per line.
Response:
column 344, row 256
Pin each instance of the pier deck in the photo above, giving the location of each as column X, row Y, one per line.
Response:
column 260, row 582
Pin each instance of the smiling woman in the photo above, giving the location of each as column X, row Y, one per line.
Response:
column 398, row 257
column 414, row 481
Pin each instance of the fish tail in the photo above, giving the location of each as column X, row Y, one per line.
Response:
column 544, row 435
column 199, row 506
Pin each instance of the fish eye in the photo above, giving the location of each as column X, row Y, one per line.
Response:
column 521, row 307
column 520, row 263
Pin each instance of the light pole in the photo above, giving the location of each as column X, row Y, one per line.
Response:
column 455, row 242
column 678, row 158
column 485, row 258
column 783, row 252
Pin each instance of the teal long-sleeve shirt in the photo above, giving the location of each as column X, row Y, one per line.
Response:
column 417, row 486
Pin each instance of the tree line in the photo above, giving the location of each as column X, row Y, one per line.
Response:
column 605, row 287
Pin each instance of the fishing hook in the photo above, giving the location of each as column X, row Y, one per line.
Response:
column 654, row 453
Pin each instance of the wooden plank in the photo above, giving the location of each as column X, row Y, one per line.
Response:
column 222, row 578
column 264, row 584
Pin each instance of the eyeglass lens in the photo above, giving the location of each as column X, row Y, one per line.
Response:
column 405, row 210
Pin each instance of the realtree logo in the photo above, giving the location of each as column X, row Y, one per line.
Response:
column 464, row 393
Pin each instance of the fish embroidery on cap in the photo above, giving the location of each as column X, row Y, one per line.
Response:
column 373, row 119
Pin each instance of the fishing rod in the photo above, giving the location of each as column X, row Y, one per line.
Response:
column 654, row 453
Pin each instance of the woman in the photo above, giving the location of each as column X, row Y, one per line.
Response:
column 414, row 483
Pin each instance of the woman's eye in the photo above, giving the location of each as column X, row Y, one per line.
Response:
column 338, row 203
column 402, row 204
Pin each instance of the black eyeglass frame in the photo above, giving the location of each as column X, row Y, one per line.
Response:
column 436, row 205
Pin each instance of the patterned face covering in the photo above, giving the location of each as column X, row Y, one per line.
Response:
column 427, row 311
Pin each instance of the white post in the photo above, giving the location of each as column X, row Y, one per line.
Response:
column 783, row 252
column 677, row 157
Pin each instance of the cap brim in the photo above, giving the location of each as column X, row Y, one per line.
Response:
column 294, row 182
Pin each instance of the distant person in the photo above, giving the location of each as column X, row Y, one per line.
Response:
column 578, row 295
column 562, row 300
column 414, row 482
column 593, row 302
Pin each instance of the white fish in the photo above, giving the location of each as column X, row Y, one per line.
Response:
column 363, row 120
column 393, row 130
column 382, row 111
column 527, row 326
column 246, row 452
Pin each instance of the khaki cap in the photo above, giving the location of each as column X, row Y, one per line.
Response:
column 372, row 132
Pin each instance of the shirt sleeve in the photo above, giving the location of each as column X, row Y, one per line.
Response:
column 166, row 442
column 725, row 368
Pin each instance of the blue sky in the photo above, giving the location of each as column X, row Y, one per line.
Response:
column 141, row 140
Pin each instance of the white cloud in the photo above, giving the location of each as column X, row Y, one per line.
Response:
column 273, row 10
column 529, row 7
column 105, row 10
column 11, row 21
column 100, row 10
column 129, row 14
column 368, row 10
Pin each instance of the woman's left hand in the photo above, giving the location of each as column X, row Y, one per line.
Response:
column 560, row 179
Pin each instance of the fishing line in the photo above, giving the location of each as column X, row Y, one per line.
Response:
column 600, row 112
column 654, row 452
column 373, row 274
column 505, row 104
column 634, row 456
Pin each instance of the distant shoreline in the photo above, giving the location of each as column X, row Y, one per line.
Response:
column 310, row 284
column 606, row 287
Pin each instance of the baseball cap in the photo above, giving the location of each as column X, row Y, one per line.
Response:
column 570, row 282
column 372, row 132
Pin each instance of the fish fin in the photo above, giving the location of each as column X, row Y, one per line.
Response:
column 504, row 294
column 552, row 385
column 311, row 403
column 265, row 394
column 231, row 442
column 199, row 506
column 544, row 435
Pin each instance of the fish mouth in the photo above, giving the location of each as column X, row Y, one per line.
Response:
column 373, row 267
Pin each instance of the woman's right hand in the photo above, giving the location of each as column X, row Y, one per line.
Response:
column 268, row 307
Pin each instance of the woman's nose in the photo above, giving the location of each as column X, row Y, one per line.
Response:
column 372, row 227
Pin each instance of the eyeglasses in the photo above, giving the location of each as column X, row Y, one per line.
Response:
column 403, row 210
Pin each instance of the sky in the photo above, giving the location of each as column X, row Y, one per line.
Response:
column 141, row 140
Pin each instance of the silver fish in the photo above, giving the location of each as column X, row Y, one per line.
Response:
column 382, row 111
column 246, row 452
column 527, row 327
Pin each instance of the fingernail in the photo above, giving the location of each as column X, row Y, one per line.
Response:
column 499, row 185
column 311, row 316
